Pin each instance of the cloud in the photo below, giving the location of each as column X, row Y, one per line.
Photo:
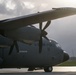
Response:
column 23, row 7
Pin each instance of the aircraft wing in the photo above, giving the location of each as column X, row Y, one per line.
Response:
column 39, row 17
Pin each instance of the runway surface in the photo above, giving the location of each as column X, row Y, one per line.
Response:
column 56, row 71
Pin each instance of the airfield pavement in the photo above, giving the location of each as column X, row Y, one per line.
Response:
column 56, row 71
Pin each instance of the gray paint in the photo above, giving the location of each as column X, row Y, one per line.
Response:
column 29, row 55
column 29, row 33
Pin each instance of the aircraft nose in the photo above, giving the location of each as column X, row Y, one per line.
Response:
column 66, row 57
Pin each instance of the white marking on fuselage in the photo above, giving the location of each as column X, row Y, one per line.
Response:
column 22, row 51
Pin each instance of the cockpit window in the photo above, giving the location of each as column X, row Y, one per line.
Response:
column 55, row 43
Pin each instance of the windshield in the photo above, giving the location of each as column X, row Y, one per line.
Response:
column 55, row 43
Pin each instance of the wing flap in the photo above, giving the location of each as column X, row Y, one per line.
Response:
column 22, row 21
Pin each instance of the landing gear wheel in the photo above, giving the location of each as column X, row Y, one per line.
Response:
column 48, row 69
column 31, row 69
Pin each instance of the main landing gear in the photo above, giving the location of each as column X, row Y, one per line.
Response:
column 46, row 69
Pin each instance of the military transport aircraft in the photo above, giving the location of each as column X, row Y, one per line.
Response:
column 17, row 28
column 29, row 56
column 21, row 29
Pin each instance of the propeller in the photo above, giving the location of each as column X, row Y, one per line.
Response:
column 43, row 34
column 12, row 46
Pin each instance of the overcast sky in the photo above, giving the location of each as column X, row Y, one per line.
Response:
column 62, row 30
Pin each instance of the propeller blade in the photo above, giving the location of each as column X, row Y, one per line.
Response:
column 47, row 24
column 40, row 41
column 11, row 48
column 16, row 45
column 40, row 26
column 46, row 38
column 40, row 44
column 43, row 34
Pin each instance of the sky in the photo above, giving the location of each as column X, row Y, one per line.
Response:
column 62, row 30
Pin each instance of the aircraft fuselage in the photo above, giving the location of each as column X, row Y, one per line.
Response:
column 29, row 55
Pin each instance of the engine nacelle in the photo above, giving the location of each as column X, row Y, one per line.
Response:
column 25, row 33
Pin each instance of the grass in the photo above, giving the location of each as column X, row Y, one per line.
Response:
column 68, row 63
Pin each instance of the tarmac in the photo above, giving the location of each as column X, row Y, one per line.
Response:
column 56, row 71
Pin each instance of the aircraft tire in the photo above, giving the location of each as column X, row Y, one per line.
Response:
column 31, row 69
column 48, row 69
